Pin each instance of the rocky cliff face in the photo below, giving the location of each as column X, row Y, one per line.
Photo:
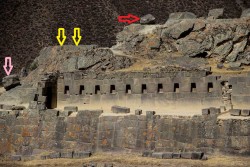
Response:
column 28, row 26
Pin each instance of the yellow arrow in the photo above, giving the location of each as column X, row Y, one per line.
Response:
column 61, row 33
column 77, row 34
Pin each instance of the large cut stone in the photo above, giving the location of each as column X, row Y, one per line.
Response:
column 167, row 155
column 119, row 109
column 10, row 81
column 235, row 112
column 157, row 155
column 147, row 19
column 245, row 113
column 181, row 15
column 197, row 155
column 81, row 154
column 186, row 155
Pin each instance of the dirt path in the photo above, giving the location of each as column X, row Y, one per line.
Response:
column 135, row 160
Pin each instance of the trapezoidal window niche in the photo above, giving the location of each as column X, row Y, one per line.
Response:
column 66, row 90
column 193, row 87
column 176, row 87
column 128, row 89
column 97, row 89
column 160, row 88
column 210, row 86
column 81, row 91
column 112, row 89
column 143, row 88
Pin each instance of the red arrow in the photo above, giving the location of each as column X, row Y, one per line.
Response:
column 128, row 19
column 8, row 64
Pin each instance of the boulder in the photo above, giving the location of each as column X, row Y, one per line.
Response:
column 10, row 82
column 147, row 19
column 175, row 31
column 234, row 64
column 238, row 48
column 181, row 15
column 193, row 48
column 224, row 49
column 245, row 13
column 216, row 13
column 224, row 35
column 220, row 66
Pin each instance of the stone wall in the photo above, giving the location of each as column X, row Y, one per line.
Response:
column 25, row 132
column 170, row 133
column 138, row 88
column 240, row 91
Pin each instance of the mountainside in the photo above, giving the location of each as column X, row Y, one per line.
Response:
column 27, row 26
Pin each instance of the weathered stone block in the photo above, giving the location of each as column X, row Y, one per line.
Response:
column 42, row 98
column 235, row 112
column 138, row 112
column 119, row 109
column 10, row 81
column 176, row 155
column 186, row 155
column 54, row 155
column 16, row 157
column 214, row 111
column 157, row 155
column 147, row 153
column 71, row 108
column 197, row 155
column 7, row 107
column 245, row 113
column 82, row 154
column 108, row 165
column 67, row 154
column 167, row 155
column 205, row 111
column 43, row 157
column 150, row 113
column 32, row 104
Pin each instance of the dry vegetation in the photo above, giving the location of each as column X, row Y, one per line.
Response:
column 123, row 160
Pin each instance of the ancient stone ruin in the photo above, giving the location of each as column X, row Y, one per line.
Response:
column 176, row 90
